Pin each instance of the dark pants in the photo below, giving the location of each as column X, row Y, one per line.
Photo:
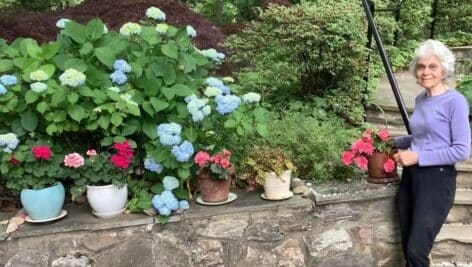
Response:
column 426, row 195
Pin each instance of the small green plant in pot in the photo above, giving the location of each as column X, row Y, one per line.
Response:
column 269, row 167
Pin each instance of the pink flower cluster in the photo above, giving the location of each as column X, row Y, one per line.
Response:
column 74, row 160
column 363, row 147
column 122, row 158
column 202, row 158
column 42, row 152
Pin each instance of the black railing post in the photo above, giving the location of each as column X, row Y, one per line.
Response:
column 369, row 46
column 433, row 16
column 388, row 69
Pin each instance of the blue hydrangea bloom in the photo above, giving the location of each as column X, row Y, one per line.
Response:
column 170, row 183
column 183, row 205
column 61, row 23
column 251, row 97
column 220, row 56
column 164, row 211
column 215, row 82
column 3, row 90
column 122, row 65
column 183, row 152
column 169, row 133
column 118, row 77
column 157, row 202
column 165, row 203
column 199, row 109
column 170, row 201
column 8, row 79
column 225, row 90
column 227, row 103
column 152, row 165
column 155, row 13
column 189, row 98
column 38, row 87
column 191, row 31
column 72, row 77
column 8, row 142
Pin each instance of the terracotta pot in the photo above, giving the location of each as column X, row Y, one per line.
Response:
column 376, row 170
column 213, row 190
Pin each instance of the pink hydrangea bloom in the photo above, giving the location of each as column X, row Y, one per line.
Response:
column 74, row 160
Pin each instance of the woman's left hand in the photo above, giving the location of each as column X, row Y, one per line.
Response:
column 406, row 157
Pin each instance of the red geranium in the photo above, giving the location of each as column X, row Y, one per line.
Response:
column 42, row 152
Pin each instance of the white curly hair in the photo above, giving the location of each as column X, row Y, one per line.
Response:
column 438, row 49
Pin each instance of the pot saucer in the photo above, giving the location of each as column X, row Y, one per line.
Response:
column 61, row 215
column 231, row 197
column 106, row 215
column 286, row 196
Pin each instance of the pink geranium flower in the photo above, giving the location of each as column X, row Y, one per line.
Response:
column 120, row 161
column 363, row 148
column 201, row 158
column 91, row 152
column 224, row 162
column 361, row 162
column 347, row 157
column 389, row 165
column 383, row 134
column 74, row 160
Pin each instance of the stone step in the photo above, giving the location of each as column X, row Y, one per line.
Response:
column 385, row 115
column 456, row 232
column 463, row 196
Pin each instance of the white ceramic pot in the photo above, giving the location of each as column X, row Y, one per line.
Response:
column 277, row 187
column 107, row 200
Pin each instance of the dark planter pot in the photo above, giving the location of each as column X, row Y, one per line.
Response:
column 213, row 190
column 377, row 174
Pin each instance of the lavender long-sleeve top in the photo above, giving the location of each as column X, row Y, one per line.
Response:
column 440, row 129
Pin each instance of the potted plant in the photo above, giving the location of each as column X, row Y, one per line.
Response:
column 103, row 175
column 269, row 167
column 214, row 175
column 373, row 151
column 34, row 170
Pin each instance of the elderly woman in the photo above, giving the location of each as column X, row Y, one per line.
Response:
column 440, row 138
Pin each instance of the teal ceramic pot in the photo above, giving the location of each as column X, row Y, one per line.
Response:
column 43, row 204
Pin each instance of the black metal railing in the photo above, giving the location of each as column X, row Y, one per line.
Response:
column 388, row 69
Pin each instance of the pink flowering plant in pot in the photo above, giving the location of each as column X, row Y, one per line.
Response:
column 94, row 168
column 218, row 165
column 371, row 142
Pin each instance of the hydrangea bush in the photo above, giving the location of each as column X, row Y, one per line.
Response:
column 145, row 83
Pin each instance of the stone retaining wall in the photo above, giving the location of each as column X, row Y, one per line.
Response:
column 349, row 229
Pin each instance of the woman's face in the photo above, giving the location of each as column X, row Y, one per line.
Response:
column 429, row 72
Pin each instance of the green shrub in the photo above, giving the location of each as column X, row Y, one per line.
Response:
column 314, row 145
column 312, row 49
